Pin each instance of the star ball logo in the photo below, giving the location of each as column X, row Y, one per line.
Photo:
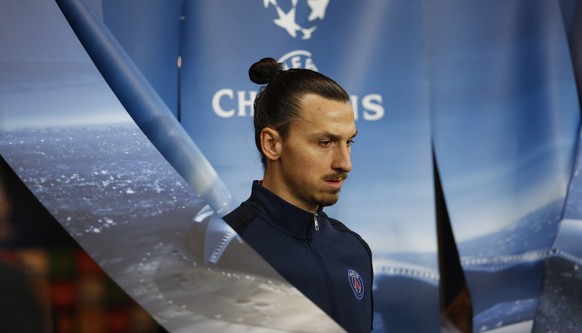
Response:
column 311, row 11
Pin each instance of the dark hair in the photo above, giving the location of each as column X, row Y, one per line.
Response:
column 278, row 102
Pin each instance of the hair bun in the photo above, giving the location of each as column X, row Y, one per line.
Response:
column 263, row 70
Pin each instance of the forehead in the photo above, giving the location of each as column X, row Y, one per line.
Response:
column 326, row 114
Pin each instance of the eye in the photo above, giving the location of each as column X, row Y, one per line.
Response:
column 350, row 142
column 325, row 143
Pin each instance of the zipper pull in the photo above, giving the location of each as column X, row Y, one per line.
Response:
column 316, row 224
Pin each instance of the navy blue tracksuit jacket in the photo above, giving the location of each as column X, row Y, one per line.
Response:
column 320, row 256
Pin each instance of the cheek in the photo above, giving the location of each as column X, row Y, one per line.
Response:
column 306, row 157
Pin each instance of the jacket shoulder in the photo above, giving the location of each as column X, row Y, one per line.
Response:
column 339, row 226
column 240, row 218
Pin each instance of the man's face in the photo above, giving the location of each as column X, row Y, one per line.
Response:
column 315, row 157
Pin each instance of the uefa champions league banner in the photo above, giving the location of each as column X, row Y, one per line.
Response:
column 482, row 80
column 489, row 83
column 400, row 86
column 388, row 198
column 215, row 108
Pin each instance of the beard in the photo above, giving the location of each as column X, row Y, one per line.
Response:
column 330, row 198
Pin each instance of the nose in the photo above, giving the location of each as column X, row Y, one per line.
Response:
column 342, row 160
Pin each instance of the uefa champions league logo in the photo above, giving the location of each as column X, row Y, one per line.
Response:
column 288, row 10
column 299, row 18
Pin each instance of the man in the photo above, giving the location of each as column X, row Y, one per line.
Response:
column 304, row 128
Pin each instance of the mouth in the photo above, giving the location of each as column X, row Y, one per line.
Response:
column 335, row 181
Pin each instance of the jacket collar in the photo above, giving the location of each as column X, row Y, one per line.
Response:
column 290, row 219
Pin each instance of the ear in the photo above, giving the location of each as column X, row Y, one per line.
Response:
column 271, row 143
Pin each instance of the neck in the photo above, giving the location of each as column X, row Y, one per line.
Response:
column 278, row 187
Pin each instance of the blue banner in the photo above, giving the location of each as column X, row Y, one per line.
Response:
column 491, row 85
column 362, row 47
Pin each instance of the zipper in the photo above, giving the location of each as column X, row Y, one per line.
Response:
column 324, row 269
column 315, row 223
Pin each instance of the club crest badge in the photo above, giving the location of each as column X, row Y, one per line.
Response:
column 357, row 283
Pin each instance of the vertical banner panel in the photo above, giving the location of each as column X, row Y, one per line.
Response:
column 159, row 23
column 374, row 49
column 561, row 298
column 505, row 119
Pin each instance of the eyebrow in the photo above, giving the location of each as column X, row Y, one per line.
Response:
column 335, row 137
